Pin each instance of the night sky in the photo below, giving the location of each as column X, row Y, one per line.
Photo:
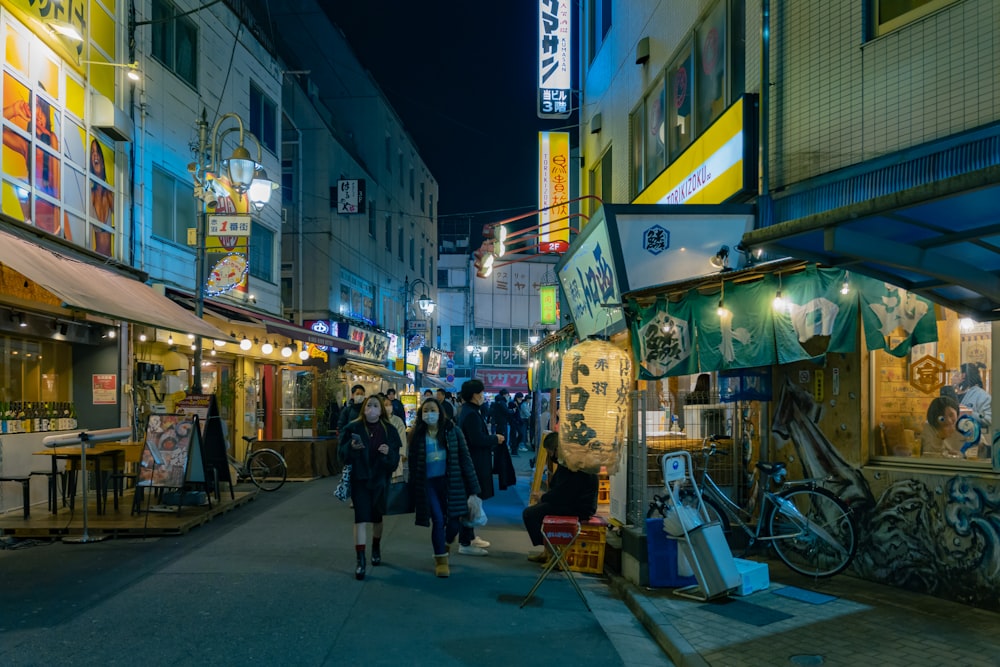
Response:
column 461, row 75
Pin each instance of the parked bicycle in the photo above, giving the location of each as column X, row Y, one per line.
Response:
column 810, row 529
column 264, row 467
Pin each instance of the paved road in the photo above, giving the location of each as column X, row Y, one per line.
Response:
column 272, row 582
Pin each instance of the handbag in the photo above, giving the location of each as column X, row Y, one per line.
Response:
column 343, row 490
column 399, row 499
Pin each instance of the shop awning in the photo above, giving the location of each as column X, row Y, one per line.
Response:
column 93, row 289
column 270, row 323
column 366, row 368
column 436, row 382
column 940, row 240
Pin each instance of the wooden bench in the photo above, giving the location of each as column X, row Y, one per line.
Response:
column 25, row 482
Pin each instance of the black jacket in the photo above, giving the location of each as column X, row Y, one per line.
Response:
column 348, row 413
column 368, row 465
column 481, row 445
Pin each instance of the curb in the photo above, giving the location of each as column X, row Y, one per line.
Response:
column 669, row 639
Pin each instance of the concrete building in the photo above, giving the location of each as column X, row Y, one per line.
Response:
column 868, row 145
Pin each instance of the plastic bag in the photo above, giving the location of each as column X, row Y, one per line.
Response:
column 477, row 515
column 678, row 518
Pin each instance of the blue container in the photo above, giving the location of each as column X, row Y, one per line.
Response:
column 662, row 556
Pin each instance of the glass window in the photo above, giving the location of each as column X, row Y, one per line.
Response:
column 888, row 15
column 637, row 130
column 598, row 25
column 679, row 82
column 423, row 195
column 175, row 41
column 173, row 207
column 34, row 371
column 423, row 261
column 412, row 184
column 413, row 247
column 388, row 153
column 261, row 252
column 388, row 233
column 399, row 243
column 371, row 220
column 263, row 118
column 655, row 152
column 711, row 73
column 934, row 402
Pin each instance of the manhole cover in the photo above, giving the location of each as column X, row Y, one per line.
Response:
column 806, row 660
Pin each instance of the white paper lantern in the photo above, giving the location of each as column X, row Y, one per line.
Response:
column 593, row 413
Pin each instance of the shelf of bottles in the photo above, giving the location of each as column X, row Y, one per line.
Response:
column 36, row 417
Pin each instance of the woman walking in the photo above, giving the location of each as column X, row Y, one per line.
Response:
column 370, row 444
column 442, row 478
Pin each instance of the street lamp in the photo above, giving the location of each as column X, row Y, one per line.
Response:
column 476, row 352
column 426, row 305
column 245, row 175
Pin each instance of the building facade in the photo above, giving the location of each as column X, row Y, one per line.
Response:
column 849, row 166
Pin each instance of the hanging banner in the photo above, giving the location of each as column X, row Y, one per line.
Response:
column 815, row 317
column 548, row 304
column 663, row 337
column 894, row 320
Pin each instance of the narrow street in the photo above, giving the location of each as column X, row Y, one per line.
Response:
column 273, row 582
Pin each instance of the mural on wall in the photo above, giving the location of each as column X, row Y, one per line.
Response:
column 943, row 541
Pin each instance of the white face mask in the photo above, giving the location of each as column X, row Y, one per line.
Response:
column 431, row 418
column 359, row 399
column 372, row 414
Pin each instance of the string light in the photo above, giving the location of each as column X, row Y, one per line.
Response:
column 846, row 287
column 779, row 301
column 722, row 310
column 267, row 347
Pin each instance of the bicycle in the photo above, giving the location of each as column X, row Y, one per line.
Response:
column 266, row 468
column 810, row 529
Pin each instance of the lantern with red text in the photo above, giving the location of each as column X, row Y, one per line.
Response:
column 593, row 413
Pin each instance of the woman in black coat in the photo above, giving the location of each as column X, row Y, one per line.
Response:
column 442, row 478
column 370, row 444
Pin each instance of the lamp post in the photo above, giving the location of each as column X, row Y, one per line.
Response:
column 475, row 351
column 245, row 176
column 426, row 305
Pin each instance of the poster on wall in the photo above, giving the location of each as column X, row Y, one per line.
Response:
column 105, row 387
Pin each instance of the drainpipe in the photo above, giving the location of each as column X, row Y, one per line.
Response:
column 764, row 198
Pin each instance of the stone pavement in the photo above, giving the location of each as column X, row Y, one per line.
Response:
column 866, row 624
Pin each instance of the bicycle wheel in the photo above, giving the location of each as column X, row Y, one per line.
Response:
column 812, row 531
column 715, row 513
column 267, row 469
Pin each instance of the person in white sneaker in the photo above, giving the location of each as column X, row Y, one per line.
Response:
column 442, row 478
column 481, row 445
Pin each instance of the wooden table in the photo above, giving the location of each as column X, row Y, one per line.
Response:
column 128, row 451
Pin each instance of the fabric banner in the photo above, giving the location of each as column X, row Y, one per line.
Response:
column 663, row 337
column 894, row 320
column 816, row 318
column 743, row 335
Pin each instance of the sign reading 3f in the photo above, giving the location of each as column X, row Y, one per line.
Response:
column 554, row 51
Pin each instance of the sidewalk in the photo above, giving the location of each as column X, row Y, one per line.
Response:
column 853, row 622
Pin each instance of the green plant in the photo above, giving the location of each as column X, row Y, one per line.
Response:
column 329, row 388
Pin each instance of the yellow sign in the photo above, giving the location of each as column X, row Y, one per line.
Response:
column 71, row 12
column 222, row 250
column 553, row 191
column 710, row 171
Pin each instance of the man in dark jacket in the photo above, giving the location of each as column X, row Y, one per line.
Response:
column 351, row 411
column 500, row 414
column 570, row 494
column 481, row 445
column 397, row 405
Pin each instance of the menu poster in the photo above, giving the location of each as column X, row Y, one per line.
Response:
column 166, row 456
column 105, row 388
column 196, row 405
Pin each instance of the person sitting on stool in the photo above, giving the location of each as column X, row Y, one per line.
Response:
column 570, row 494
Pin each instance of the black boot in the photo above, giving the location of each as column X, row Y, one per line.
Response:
column 359, row 572
column 376, row 554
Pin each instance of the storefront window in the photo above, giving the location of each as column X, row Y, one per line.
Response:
column 35, row 372
column 934, row 403
column 711, row 74
column 680, row 87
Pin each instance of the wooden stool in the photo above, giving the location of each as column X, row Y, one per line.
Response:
column 25, row 482
column 559, row 533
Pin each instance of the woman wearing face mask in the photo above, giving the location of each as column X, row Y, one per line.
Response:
column 442, row 476
column 370, row 444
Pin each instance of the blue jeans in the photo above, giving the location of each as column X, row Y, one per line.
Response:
column 443, row 527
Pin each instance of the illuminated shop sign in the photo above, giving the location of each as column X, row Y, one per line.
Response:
column 554, row 47
column 721, row 163
column 553, row 191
